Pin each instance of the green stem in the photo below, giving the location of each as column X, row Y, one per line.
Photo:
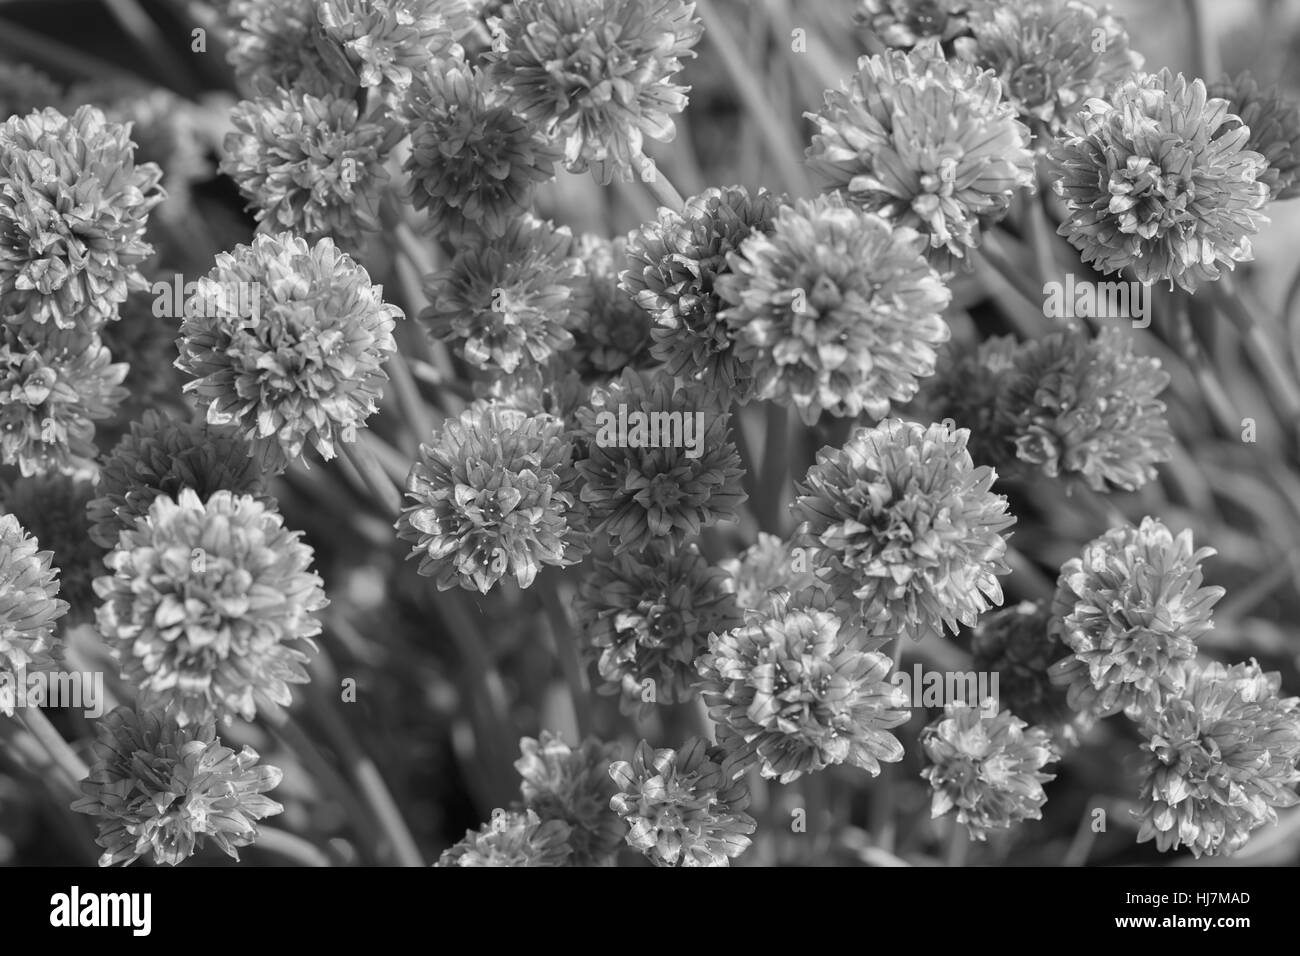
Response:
column 958, row 844
column 566, row 649
column 662, row 188
column 1265, row 355
column 776, row 468
column 749, row 475
column 363, row 459
column 290, row 846
column 1207, row 63
column 64, row 757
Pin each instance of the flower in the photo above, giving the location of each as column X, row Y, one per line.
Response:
column 206, row 603
column 474, row 161
column 1088, row 407
column 1274, row 122
column 512, row 838
column 1131, row 608
column 309, row 164
column 682, row 807
column 53, row 509
column 73, row 211
column 597, row 74
column 1219, row 759
column 1051, row 56
column 927, row 143
column 1154, row 182
column 162, row 790
column 573, row 785
column 795, row 692
column 28, row 607
column 160, row 456
column 904, row 522
column 282, row 43
column 772, row 570
column 386, row 40
column 49, row 403
column 675, row 263
column 299, row 358
column 507, row 300
column 648, row 616
column 616, row 332
column 966, row 390
column 659, row 462
column 494, row 494
column 834, row 310
column 988, row 768
column 1018, row 645
column 905, row 23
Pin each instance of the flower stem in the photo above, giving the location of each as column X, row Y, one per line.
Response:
column 64, row 757
column 749, row 472
column 291, row 847
column 1265, row 355
column 1207, row 63
column 566, row 648
column 958, row 844
column 776, row 468
column 363, row 459
column 662, row 188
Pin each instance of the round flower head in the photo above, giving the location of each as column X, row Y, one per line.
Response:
column 49, row 403
column 1220, row 758
column 597, row 74
column 281, row 43
column 772, row 570
column 309, row 164
column 160, row 456
column 1017, row 644
column 289, row 347
column 834, row 310
column 988, row 768
column 925, row 142
column 966, row 389
column 24, row 89
column 648, row 616
column 507, row 301
column 206, row 605
column 682, row 807
column 1051, row 56
column 474, row 161
column 572, row 785
column 659, row 463
column 675, row 263
column 384, row 41
column 616, row 332
column 904, row 523
column 1274, row 122
column 161, row 790
column 1131, row 609
column 28, row 607
column 903, row 24
column 494, row 495
column 1073, row 405
column 1156, row 184
column 73, row 211
column 53, row 509
column 794, row 692
column 512, row 838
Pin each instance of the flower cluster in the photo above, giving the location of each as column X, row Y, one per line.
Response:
column 794, row 692
column 206, row 604
column 53, row 510
column 926, row 142
column 1131, row 609
column 769, row 571
column 683, row 807
column 616, row 332
column 512, row 838
column 904, row 524
column 902, row 24
column 28, row 605
column 572, row 785
column 161, row 789
column 1274, row 124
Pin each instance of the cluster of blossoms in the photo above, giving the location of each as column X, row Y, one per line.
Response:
column 29, row 606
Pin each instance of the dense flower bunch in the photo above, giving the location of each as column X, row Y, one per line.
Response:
column 494, row 496
column 967, row 388
column 989, row 769
column 1156, row 182
column 616, row 332
column 29, row 606
column 771, row 570
column 675, row 263
column 1220, row 760
column 572, row 785
column 207, row 604
column 296, row 358
column 53, row 510
column 796, row 693
column 904, row 524
column 834, row 310
column 643, row 487
column 161, row 790
column 926, row 142
column 648, row 616
column 1274, row 124
column 683, row 807
column 1131, row 609
column 512, row 838
column 598, row 74
column 905, row 23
